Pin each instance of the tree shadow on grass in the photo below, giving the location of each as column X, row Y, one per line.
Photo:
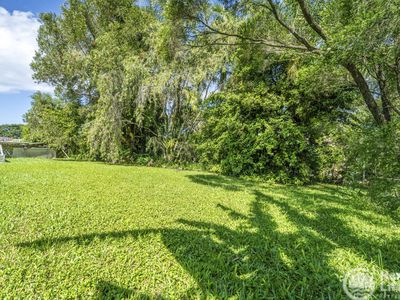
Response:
column 255, row 261
column 109, row 291
column 86, row 239
column 275, row 251
column 106, row 291
column 332, row 208
column 227, row 183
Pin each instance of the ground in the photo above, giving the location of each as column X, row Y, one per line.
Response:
column 97, row 231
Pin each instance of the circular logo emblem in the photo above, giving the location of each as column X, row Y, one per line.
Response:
column 359, row 284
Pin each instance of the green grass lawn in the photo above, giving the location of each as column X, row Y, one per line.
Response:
column 96, row 231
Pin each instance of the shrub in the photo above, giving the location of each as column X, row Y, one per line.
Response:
column 254, row 134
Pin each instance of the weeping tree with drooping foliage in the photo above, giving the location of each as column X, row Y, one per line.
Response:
column 137, row 83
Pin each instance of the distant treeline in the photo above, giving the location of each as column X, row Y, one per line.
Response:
column 11, row 131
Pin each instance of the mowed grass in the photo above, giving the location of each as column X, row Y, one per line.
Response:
column 97, row 231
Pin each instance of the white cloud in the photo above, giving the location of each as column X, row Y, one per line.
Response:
column 18, row 32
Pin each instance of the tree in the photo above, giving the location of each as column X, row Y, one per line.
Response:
column 139, row 85
column 359, row 36
column 270, row 122
column 54, row 122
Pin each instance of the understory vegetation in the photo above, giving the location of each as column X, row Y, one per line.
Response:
column 290, row 91
column 87, row 230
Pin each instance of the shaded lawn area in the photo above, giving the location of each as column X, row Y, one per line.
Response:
column 96, row 231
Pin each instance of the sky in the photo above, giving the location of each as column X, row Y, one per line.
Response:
column 18, row 30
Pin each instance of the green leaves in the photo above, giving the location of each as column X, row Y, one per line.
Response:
column 252, row 134
column 373, row 160
column 11, row 131
column 54, row 122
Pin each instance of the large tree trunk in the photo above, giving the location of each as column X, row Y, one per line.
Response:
column 365, row 92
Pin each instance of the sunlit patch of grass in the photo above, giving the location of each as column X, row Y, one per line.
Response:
column 283, row 223
column 97, row 231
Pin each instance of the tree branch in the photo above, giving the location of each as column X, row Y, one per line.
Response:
column 310, row 20
column 252, row 40
column 397, row 74
column 302, row 40
column 384, row 93
column 89, row 23
column 365, row 92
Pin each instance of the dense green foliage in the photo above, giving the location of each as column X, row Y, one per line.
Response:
column 136, row 88
column 11, row 131
column 267, row 88
column 253, row 134
column 53, row 122
column 94, row 231
column 374, row 159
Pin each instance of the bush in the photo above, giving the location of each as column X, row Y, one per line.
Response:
column 254, row 134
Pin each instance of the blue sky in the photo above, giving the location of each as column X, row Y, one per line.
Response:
column 18, row 27
column 35, row 6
